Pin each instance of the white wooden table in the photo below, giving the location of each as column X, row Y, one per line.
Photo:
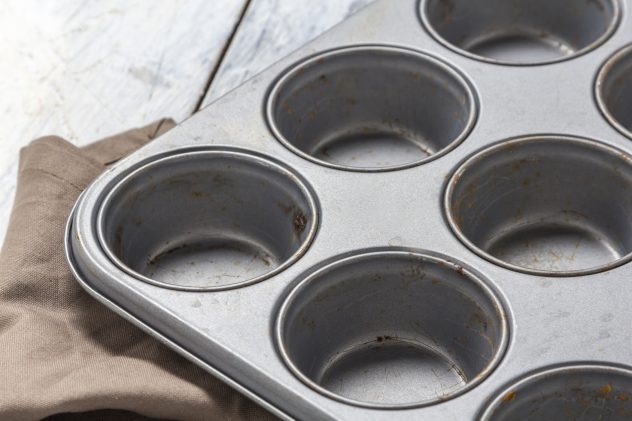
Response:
column 87, row 69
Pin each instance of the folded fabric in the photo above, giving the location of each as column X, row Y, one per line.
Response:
column 63, row 355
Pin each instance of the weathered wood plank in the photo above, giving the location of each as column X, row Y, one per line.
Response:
column 270, row 30
column 87, row 69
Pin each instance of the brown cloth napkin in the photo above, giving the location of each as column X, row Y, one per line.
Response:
column 62, row 352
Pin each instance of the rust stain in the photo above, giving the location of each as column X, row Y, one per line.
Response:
column 459, row 269
column 480, row 319
column 287, row 108
column 508, row 397
column 286, row 208
column 447, row 12
column 300, row 222
column 606, row 389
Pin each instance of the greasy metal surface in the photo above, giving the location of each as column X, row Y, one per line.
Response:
column 392, row 328
column 521, row 32
column 614, row 90
column 579, row 392
column 536, row 204
column 549, row 321
column 207, row 220
column 359, row 108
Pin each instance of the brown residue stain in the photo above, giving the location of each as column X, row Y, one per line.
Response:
column 606, row 389
column 480, row 319
column 509, row 396
column 623, row 397
column 544, row 34
column 299, row 221
column 287, row 108
column 197, row 193
column 510, row 146
column 447, row 12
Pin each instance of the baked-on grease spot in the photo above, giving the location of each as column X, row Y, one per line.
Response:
column 509, row 396
column 299, row 221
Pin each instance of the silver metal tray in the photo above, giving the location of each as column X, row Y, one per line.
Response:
column 426, row 213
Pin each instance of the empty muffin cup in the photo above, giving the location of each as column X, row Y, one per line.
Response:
column 614, row 90
column 392, row 329
column 521, row 32
column 371, row 108
column 578, row 392
column 207, row 220
column 547, row 205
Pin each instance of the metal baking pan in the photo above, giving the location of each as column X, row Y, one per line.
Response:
column 426, row 213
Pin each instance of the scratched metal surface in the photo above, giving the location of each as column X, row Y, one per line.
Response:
column 553, row 316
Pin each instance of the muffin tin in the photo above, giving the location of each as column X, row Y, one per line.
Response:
column 423, row 214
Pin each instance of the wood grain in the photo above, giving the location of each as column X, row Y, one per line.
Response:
column 270, row 30
column 87, row 69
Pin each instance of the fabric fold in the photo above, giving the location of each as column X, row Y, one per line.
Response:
column 63, row 354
